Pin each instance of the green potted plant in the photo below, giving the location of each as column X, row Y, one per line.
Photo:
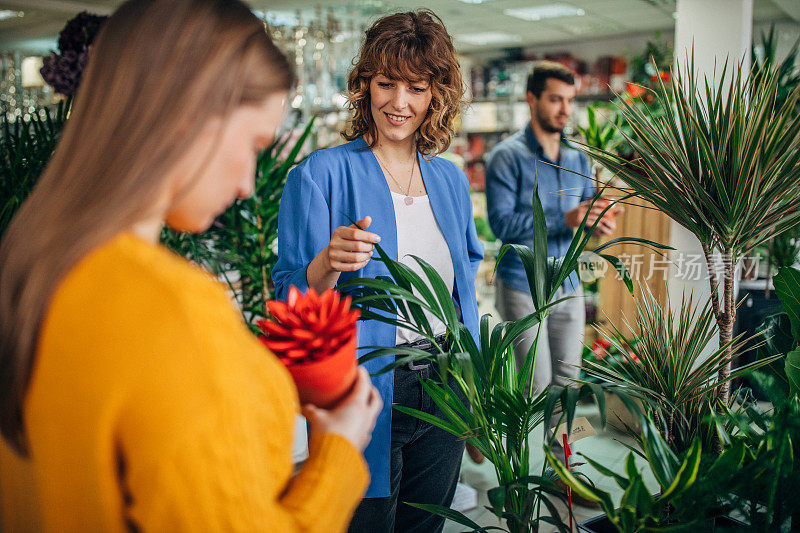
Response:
column 669, row 368
column 603, row 135
column 501, row 411
column 692, row 488
column 723, row 162
column 764, row 490
column 25, row 149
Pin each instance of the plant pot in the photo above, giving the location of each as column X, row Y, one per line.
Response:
column 325, row 382
column 601, row 524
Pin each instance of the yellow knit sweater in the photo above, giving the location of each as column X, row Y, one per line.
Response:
column 152, row 405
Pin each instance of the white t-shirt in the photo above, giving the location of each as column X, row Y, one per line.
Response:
column 419, row 234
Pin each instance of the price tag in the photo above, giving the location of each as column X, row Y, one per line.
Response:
column 581, row 428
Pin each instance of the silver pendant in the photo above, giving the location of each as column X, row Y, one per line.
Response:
column 409, row 200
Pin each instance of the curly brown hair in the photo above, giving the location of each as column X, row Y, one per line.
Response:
column 409, row 46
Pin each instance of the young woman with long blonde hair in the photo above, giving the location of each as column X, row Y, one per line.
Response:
column 127, row 380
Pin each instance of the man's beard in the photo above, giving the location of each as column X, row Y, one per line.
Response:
column 546, row 126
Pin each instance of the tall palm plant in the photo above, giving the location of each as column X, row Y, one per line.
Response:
column 724, row 162
column 501, row 410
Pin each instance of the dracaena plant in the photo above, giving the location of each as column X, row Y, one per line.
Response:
column 502, row 410
column 669, row 368
column 722, row 161
column 693, row 489
column 239, row 246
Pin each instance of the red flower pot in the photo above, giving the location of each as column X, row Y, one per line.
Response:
column 326, row 381
column 314, row 336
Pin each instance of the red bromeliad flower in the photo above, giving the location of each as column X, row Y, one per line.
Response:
column 308, row 327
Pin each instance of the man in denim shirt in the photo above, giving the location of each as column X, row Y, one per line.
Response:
column 538, row 150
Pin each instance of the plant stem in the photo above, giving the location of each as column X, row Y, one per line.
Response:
column 726, row 325
column 711, row 264
column 725, row 319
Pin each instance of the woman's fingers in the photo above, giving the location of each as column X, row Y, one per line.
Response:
column 351, row 245
column 350, row 248
column 352, row 233
column 361, row 391
column 342, row 256
column 348, row 267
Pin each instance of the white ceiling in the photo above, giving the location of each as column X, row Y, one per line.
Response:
column 603, row 18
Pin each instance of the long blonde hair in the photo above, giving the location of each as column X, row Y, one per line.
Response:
column 158, row 71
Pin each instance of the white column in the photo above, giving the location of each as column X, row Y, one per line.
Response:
column 717, row 30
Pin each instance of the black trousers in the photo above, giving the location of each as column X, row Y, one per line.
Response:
column 424, row 464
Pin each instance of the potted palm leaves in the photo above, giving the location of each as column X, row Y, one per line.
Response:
column 501, row 411
column 723, row 162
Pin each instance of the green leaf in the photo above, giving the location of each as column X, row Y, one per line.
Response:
column 662, row 461
column 620, row 267
column 787, row 287
column 687, row 473
column 539, row 246
column 793, row 370
column 622, row 481
column 497, row 499
column 455, row 516
column 429, row 418
column 583, row 490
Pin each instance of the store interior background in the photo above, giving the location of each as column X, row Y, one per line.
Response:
column 606, row 42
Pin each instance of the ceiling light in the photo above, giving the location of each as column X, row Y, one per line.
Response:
column 8, row 14
column 549, row 11
column 474, row 1
column 487, row 37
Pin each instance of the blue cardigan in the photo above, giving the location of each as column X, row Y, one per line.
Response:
column 346, row 181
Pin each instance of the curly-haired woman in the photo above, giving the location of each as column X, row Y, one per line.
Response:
column 405, row 92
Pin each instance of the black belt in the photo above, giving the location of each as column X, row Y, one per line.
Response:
column 426, row 346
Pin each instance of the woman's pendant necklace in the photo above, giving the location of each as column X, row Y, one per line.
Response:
column 408, row 200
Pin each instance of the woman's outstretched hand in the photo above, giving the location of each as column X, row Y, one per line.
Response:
column 349, row 249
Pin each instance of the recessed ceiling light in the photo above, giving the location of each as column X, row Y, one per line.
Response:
column 487, row 37
column 8, row 14
column 549, row 11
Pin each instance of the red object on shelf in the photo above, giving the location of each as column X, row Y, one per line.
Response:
column 314, row 336
column 635, row 90
column 476, row 173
